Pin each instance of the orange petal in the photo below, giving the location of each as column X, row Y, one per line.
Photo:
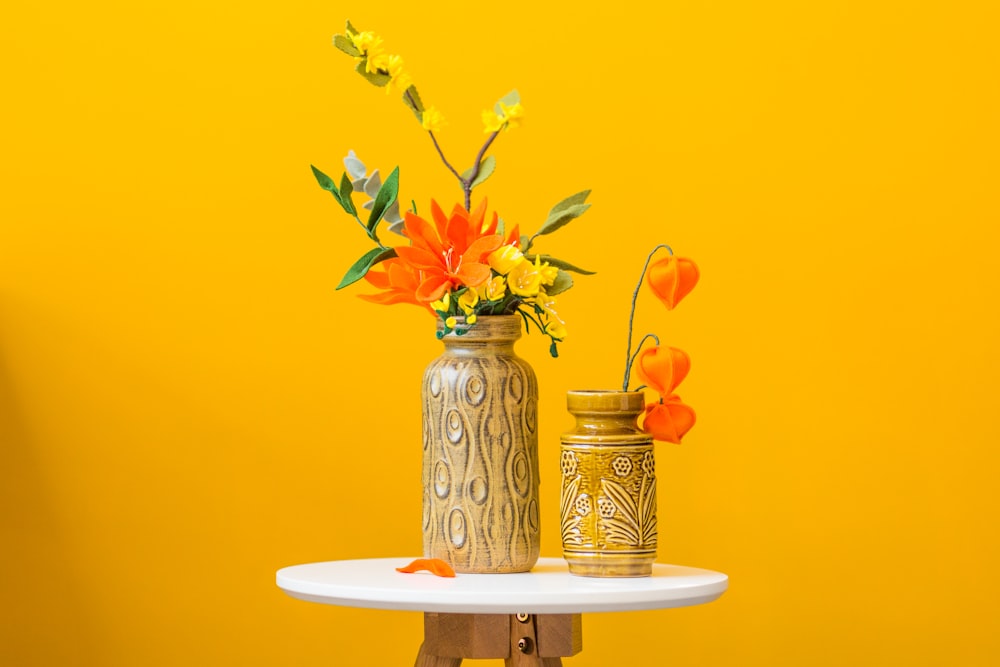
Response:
column 482, row 247
column 402, row 276
column 662, row 368
column 440, row 219
column 671, row 279
column 513, row 237
column 435, row 566
column 379, row 279
column 420, row 258
column 668, row 421
column 422, row 234
column 473, row 274
column 389, row 298
column 433, row 288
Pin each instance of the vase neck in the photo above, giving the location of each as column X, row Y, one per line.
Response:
column 600, row 413
column 498, row 332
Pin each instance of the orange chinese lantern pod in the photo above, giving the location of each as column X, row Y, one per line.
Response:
column 669, row 420
column 663, row 368
column 671, row 278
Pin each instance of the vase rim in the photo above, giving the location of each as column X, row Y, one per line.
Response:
column 487, row 327
column 610, row 400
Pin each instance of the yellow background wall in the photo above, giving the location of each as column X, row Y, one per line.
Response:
column 186, row 405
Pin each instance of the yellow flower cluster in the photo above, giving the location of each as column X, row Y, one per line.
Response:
column 377, row 61
column 525, row 279
column 509, row 116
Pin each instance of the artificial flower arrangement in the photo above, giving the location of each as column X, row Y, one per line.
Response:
column 459, row 265
column 661, row 368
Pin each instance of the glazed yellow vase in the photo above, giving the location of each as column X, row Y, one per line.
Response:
column 480, row 460
column 608, row 497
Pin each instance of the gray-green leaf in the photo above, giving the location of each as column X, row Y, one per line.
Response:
column 560, row 264
column 562, row 283
column 508, row 100
column 486, row 168
column 374, row 78
column 562, row 213
column 362, row 266
column 386, row 196
column 346, row 45
column 411, row 98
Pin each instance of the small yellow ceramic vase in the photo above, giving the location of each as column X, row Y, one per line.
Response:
column 480, row 462
column 608, row 499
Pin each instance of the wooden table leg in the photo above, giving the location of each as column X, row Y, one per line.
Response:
column 522, row 640
column 426, row 660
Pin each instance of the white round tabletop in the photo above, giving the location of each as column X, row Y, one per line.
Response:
column 547, row 589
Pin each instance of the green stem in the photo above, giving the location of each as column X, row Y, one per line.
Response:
column 631, row 362
column 631, row 314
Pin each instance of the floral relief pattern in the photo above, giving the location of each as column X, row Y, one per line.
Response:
column 568, row 464
column 605, row 507
column 622, row 466
column 648, row 464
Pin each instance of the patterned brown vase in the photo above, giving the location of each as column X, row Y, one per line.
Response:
column 608, row 498
column 480, row 463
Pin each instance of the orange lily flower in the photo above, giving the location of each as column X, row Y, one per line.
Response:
column 400, row 282
column 668, row 420
column 449, row 253
column 672, row 278
column 663, row 368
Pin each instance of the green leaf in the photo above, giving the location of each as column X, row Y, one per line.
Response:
column 346, row 45
column 553, row 350
column 562, row 283
column 346, row 188
column 572, row 200
column 560, row 264
column 486, row 168
column 374, row 78
column 411, row 98
column 367, row 261
column 561, row 218
column 384, row 199
column 327, row 184
column 351, row 29
column 324, row 181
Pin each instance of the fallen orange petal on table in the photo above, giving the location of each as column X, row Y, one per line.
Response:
column 435, row 566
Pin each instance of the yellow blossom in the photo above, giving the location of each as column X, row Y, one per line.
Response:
column 444, row 304
column 509, row 115
column 494, row 289
column 505, row 258
column 467, row 302
column 432, row 120
column 450, row 322
column 399, row 78
column 365, row 41
column 471, row 319
column 549, row 273
column 555, row 327
column 525, row 279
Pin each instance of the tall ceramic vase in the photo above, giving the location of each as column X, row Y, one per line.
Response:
column 480, row 461
column 608, row 497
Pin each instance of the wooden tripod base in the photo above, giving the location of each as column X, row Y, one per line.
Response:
column 522, row 640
